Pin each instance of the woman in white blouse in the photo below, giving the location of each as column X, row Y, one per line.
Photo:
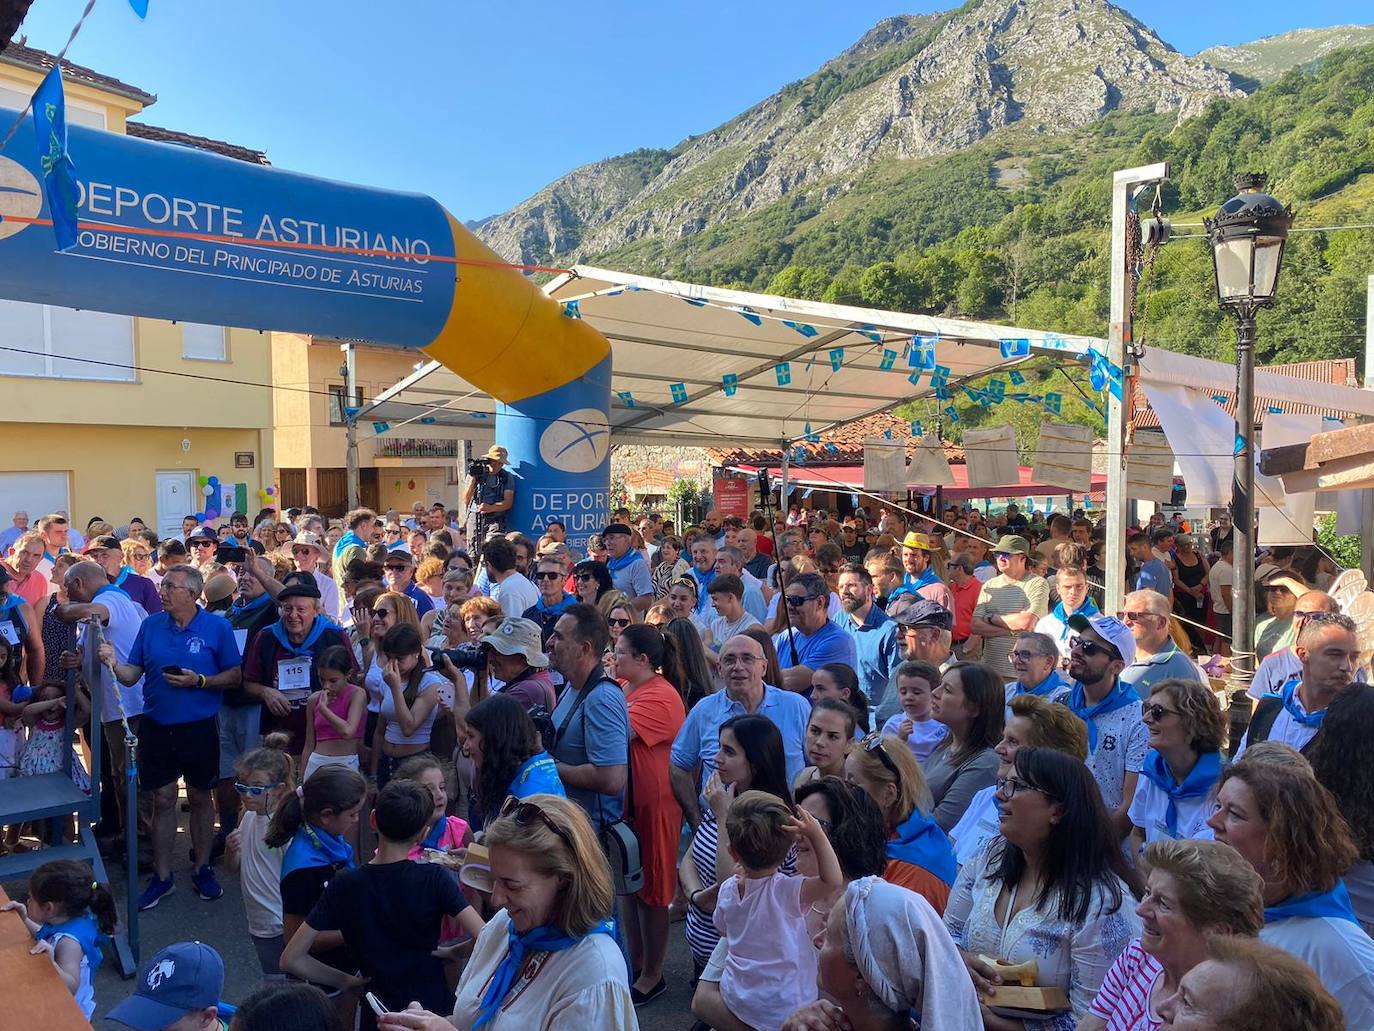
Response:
column 548, row 960
column 1054, row 888
column 1173, row 796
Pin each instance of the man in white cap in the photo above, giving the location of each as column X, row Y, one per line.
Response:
column 492, row 494
column 307, row 552
column 1117, row 736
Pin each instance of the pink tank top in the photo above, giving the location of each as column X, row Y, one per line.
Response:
column 326, row 731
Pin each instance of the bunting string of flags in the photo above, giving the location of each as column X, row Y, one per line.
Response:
column 1104, row 374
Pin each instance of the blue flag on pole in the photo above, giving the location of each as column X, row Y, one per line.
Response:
column 59, row 174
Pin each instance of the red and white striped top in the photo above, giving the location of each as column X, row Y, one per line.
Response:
column 1124, row 998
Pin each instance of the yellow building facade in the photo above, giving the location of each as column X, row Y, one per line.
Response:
column 113, row 416
column 403, row 465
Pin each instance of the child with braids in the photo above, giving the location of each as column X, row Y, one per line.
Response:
column 68, row 912
column 264, row 777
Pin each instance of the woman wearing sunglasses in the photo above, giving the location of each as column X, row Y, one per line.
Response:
column 1173, row 795
column 919, row 856
column 548, row 958
column 620, row 614
column 1054, row 888
column 590, row 581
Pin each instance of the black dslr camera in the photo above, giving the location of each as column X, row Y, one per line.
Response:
column 471, row 656
column 478, row 468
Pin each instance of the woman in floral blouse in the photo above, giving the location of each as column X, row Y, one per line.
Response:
column 1054, row 888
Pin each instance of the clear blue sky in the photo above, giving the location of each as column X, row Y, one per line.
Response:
column 482, row 103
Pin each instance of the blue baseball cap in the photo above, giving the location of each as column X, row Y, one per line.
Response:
column 180, row 979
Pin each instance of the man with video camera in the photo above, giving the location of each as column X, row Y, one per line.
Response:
column 489, row 493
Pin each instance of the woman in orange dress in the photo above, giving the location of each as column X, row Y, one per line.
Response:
column 647, row 663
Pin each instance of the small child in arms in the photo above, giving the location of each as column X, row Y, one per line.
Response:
column 914, row 724
column 771, row 966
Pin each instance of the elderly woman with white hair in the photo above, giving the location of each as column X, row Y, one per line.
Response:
column 884, row 955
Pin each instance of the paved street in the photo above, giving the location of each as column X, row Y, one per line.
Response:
column 182, row 916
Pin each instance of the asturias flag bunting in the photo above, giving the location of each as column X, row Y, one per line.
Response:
column 140, row 7
column 59, row 174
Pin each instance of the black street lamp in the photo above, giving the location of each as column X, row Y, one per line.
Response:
column 1247, row 235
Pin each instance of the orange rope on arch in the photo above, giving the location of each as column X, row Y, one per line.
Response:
column 288, row 245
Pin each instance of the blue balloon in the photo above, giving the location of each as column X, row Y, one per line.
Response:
column 214, row 481
column 200, row 517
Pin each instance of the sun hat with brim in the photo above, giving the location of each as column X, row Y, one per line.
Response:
column 922, row 541
column 219, row 587
column 181, row 979
column 1282, row 579
column 497, row 452
column 306, row 539
column 1012, row 544
column 1110, row 629
column 517, row 636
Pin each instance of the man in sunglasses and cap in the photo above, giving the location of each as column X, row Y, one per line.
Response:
column 1103, row 646
column 1010, row 603
column 492, row 494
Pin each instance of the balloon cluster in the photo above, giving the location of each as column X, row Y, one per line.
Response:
column 209, row 487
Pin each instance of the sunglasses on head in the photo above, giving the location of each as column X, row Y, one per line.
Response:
column 527, row 814
column 873, row 745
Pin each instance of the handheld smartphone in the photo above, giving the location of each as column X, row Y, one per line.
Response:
column 376, row 1004
column 227, row 553
column 174, row 670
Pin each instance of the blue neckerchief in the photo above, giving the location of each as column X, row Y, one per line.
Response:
column 435, row 834
column 11, row 603
column 624, row 561
column 86, row 932
column 348, row 540
column 1198, row 784
column 1289, row 693
column 314, row 847
column 559, row 606
column 242, row 608
column 1121, row 695
column 110, row 587
column 1088, row 608
column 540, row 939
column 1045, row 688
column 921, row 842
column 1334, row 903
column 53, row 558
column 124, row 572
column 704, row 581
column 915, row 583
column 305, row 647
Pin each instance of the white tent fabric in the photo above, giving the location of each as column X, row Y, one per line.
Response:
column 1202, row 374
column 1206, row 438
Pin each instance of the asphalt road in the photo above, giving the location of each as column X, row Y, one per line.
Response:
column 182, row 916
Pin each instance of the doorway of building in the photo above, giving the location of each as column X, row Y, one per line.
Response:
column 175, row 500
column 333, row 491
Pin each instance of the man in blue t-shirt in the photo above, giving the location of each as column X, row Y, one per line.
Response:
column 400, row 577
column 1153, row 574
column 812, row 640
column 629, row 572
column 591, row 743
column 187, row 658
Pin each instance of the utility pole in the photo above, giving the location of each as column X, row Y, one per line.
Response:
column 350, row 413
column 1127, row 184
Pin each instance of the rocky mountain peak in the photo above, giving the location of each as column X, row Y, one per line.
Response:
column 911, row 87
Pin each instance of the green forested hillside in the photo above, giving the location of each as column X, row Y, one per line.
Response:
column 1016, row 230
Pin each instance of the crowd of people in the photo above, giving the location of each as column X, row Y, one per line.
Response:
column 883, row 768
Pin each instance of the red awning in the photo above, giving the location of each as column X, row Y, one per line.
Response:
column 849, row 478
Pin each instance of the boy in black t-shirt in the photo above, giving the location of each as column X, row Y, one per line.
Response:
column 389, row 913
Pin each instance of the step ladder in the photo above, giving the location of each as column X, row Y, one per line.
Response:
column 53, row 796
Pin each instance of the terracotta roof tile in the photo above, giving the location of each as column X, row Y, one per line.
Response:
column 153, row 132
column 42, row 61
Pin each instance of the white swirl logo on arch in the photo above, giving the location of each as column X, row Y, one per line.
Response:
column 20, row 195
column 576, row 442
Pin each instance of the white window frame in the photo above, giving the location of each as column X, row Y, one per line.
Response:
column 188, row 327
column 122, row 373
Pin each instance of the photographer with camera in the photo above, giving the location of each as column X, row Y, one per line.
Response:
column 511, row 651
column 490, row 492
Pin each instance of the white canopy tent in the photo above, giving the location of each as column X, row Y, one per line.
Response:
column 672, row 337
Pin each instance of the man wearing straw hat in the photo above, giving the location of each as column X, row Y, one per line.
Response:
column 307, row 551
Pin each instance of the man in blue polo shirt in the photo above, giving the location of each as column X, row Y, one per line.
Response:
column 400, row 577
column 812, row 640
column 695, row 747
column 875, row 635
column 187, row 658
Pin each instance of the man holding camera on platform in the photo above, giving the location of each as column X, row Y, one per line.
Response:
column 490, row 492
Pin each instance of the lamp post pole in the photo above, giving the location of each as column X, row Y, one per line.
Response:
column 1243, row 513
